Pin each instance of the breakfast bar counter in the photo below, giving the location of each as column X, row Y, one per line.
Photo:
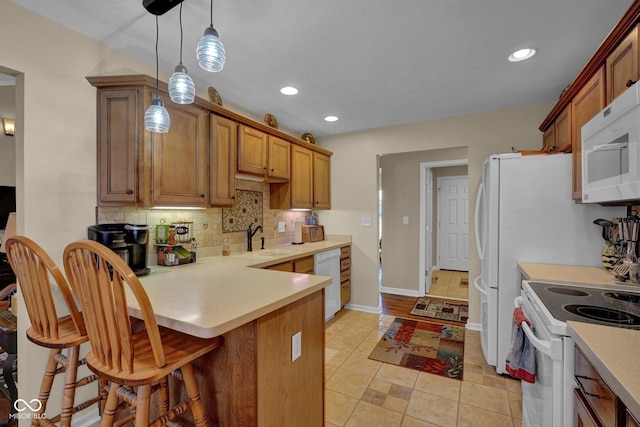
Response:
column 252, row 379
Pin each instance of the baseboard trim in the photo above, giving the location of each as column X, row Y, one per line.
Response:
column 399, row 291
column 474, row 327
column 364, row 308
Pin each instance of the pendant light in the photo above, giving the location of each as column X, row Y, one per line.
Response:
column 181, row 87
column 210, row 51
column 156, row 118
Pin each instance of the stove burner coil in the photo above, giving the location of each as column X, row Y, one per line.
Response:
column 603, row 314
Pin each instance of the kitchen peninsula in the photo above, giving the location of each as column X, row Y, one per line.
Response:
column 251, row 379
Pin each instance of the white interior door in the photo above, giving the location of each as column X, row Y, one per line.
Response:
column 453, row 223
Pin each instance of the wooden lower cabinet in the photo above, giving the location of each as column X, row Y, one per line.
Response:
column 251, row 381
column 345, row 275
column 299, row 265
column 582, row 416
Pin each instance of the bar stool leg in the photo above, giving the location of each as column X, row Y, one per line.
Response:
column 47, row 381
column 164, row 395
column 143, row 401
column 69, row 393
column 197, row 407
column 111, row 406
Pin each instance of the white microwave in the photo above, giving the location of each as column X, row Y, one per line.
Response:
column 610, row 152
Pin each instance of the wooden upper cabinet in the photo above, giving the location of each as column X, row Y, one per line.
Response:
column 588, row 102
column 549, row 137
column 321, row 181
column 622, row 66
column 252, row 150
column 301, row 178
column 118, row 147
column 224, row 140
column 564, row 143
column 262, row 154
column 179, row 167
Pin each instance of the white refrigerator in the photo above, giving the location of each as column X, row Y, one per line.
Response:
column 525, row 213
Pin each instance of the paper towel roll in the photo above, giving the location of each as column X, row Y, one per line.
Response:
column 297, row 231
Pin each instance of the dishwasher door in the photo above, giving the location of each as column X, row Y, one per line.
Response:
column 328, row 264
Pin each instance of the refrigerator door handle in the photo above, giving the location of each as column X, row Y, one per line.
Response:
column 476, row 283
column 479, row 201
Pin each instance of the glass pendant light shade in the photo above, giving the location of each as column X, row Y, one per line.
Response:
column 156, row 118
column 181, row 87
column 210, row 51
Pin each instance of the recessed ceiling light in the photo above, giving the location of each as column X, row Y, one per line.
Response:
column 289, row 90
column 331, row 119
column 522, row 54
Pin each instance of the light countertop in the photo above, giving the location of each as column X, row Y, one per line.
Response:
column 613, row 352
column 219, row 293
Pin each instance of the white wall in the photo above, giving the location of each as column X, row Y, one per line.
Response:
column 354, row 184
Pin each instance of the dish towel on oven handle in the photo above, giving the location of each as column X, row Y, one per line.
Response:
column 521, row 358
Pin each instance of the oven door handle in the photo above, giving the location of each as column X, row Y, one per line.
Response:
column 540, row 345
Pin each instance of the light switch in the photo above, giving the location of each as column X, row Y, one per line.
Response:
column 281, row 227
column 405, row 220
column 366, row 221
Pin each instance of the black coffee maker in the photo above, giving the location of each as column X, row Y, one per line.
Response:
column 129, row 241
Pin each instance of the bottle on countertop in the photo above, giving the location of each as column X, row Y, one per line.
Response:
column 225, row 248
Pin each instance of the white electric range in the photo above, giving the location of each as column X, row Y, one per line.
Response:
column 548, row 306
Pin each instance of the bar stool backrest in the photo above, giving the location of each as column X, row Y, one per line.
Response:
column 34, row 269
column 100, row 279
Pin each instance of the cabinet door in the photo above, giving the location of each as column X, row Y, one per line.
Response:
column 224, row 137
column 252, row 151
column 118, row 147
column 279, row 158
column 301, row 177
column 582, row 417
column 563, row 131
column 321, row 181
column 622, row 66
column 586, row 104
column 180, row 157
column 549, row 137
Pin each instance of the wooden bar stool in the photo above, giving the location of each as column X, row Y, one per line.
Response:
column 34, row 269
column 129, row 360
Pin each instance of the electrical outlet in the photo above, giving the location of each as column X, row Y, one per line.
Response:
column 365, row 221
column 405, row 220
column 281, row 227
column 296, row 346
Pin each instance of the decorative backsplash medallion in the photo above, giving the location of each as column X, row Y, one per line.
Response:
column 248, row 210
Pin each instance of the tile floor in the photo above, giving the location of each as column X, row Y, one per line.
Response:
column 363, row 392
column 447, row 283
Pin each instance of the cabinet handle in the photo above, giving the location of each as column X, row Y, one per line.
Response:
column 630, row 83
column 202, row 195
column 129, row 191
column 582, row 389
column 233, row 197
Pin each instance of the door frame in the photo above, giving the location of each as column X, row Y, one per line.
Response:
column 427, row 220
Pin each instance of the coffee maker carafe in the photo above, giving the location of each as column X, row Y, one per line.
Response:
column 129, row 241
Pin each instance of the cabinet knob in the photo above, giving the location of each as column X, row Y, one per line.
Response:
column 129, row 191
column 630, row 83
column 202, row 195
column 233, row 197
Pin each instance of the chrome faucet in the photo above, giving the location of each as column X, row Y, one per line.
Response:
column 250, row 235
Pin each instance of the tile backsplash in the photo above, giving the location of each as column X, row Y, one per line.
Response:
column 207, row 227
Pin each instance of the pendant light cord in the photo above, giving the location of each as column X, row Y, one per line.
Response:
column 157, row 63
column 181, row 33
column 211, row 13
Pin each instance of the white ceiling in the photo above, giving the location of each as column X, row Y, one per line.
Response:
column 373, row 63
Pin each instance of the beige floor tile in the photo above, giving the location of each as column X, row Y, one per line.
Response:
column 366, row 347
column 357, row 331
column 414, row 422
column 448, row 388
column 328, row 371
column 397, row 375
column 367, row 415
column 433, row 409
column 361, row 364
column 517, row 422
column 343, row 342
column 513, row 385
column 380, row 385
column 515, row 402
column 338, row 359
column 338, row 407
column 349, row 383
column 329, row 425
column 396, row 404
column 470, row 416
column 485, row 397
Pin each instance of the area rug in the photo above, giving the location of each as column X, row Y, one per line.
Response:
column 423, row 346
column 441, row 310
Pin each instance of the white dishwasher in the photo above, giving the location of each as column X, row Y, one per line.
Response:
column 328, row 264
